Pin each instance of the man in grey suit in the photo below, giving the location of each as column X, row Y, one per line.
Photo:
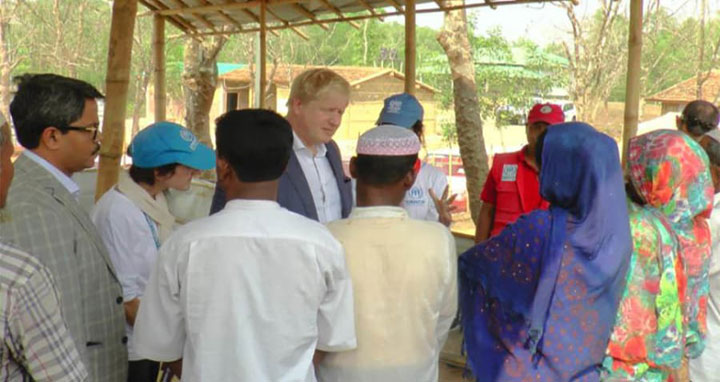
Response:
column 56, row 120
column 314, row 184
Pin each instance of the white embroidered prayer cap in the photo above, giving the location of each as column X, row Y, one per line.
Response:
column 388, row 140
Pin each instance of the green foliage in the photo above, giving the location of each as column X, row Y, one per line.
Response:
column 71, row 38
column 449, row 133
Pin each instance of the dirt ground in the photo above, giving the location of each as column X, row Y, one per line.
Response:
column 610, row 117
column 450, row 373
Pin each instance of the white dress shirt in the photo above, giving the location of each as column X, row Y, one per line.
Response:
column 404, row 274
column 247, row 294
column 418, row 202
column 131, row 239
column 321, row 179
column 65, row 180
column 706, row 368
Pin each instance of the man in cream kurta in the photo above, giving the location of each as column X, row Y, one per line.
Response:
column 403, row 270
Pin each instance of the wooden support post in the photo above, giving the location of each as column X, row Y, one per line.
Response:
column 632, row 89
column 410, row 46
column 116, row 86
column 159, row 67
column 262, row 57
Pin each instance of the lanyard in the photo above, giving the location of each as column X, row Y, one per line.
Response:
column 153, row 230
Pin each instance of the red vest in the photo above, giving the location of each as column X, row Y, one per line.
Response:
column 513, row 187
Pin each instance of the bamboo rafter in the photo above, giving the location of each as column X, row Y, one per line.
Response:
column 300, row 15
column 371, row 10
column 176, row 20
column 321, row 22
column 396, row 5
column 287, row 24
column 309, row 15
column 228, row 19
column 338, row 12
column 253, row 17
column 199, row 17
column 227, row 6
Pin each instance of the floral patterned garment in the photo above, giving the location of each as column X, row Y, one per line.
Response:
column 662, row 312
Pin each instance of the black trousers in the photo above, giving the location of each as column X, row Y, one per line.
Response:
column 143, row 371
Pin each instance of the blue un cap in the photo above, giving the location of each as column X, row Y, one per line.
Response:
column 402, row 110
column 164, row 143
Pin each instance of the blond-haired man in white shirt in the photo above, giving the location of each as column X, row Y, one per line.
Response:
column 403, row 270
column 253, row 292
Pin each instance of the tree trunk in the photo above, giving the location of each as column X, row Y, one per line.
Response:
column 199, row 80
column 701, row 52
column 454, row 39
column 5, row 65
column 141, row 85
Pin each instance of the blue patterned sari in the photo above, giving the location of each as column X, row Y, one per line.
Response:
column 539, row 300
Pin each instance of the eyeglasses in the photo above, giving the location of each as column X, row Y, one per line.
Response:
column 94, row 129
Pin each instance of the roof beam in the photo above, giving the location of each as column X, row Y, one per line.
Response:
column 257, row 19
column 396, row 5
column 178, row 21
column 202, row 18
column 309, row 15
column 371, row 10
column 321, row 22
column 287, row 24
column 338, row 12
column 227, row 18
column 226, row 7
column 440, row 4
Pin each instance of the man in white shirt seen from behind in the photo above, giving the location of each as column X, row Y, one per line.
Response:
column 403, row 270
column 706, row 368
column 253, row 292
column 133, row 218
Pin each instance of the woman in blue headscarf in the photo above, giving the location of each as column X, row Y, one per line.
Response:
column 539, row 300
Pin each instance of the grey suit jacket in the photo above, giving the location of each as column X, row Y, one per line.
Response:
column 44, row 219
column 293, row 189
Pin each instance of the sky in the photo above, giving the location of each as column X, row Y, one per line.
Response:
column 544, row 22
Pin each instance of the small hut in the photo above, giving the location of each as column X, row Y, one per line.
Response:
column 674, row 98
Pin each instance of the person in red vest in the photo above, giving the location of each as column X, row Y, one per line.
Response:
column 512, row 187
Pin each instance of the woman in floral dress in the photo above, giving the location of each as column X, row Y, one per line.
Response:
column 661, row 317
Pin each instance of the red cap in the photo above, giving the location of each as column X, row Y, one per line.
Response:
column 549, row 113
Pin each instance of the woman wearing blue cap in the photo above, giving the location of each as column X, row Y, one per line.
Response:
column 133, row 218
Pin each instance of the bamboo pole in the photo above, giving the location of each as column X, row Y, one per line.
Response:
column 159, row 67
column 632, row 89
column 410, row 46
column 116, row 87
column 262, row 57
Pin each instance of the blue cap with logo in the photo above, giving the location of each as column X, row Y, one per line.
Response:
column 164, row 143
column 402, row 110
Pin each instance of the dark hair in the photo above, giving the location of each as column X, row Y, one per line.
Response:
column 147, row 175
column 417, row 128
column 44, row 100
column 633, row 194
column 257, row 143
column 700, row 117
column 712, row 149
column 383, row 170
column 539, row 148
